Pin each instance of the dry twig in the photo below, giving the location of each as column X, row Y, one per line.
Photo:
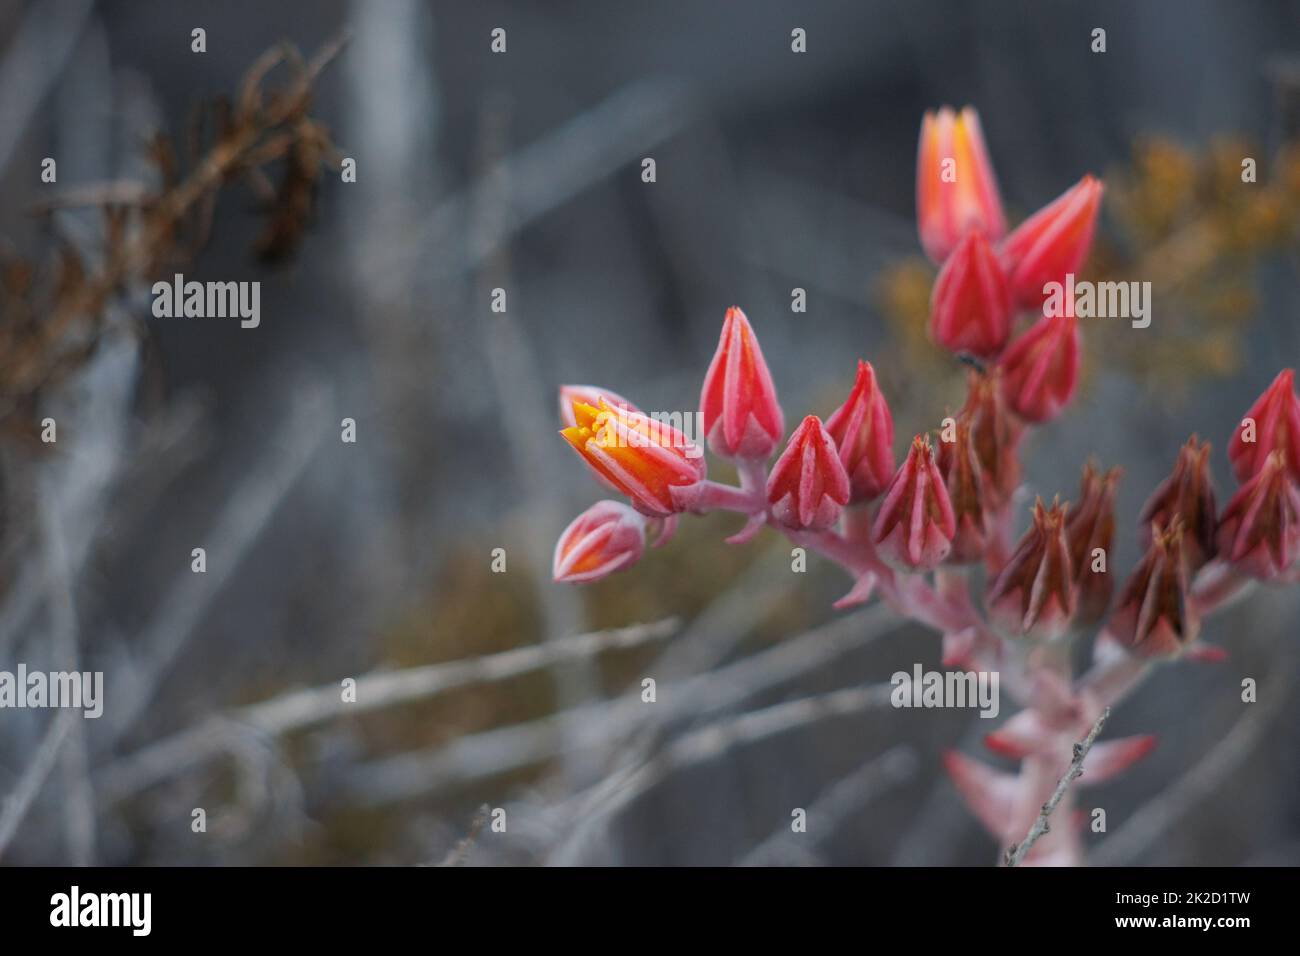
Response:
column 51, row 326
column 300, row 709
column 837, row 803
column 29, row 784
column 459, row 853
column 1017, row 851
column 709, row 743
column 608, row 724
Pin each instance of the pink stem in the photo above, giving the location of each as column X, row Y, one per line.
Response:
column 1217, row 586
column 1114, row 675
column 753, row 475
column 1039, row 773
column 907, row 594
column 715, row 496
column 834, row 546
column 999, row 543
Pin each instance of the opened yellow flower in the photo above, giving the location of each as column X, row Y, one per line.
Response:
column 648, row 460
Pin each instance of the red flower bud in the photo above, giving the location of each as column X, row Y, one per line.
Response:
column 1034, row 595
column 1187, row 494
column 1154, row 617
column 1091, row 526
column 863, row 430
column 607, row 537
column 1259, row 531
column 1272, row 424
column 808, row 485
column 742, row 417
column 970, row 306
column 1041, row 368
column 995, row 435
column 655, row 465
column 1051, row 243
column 964, row 480
column 915, row 525
column 956, row 191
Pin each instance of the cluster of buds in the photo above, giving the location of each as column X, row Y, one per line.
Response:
column 907, row 530
column 987, row 277
column 1259, row 530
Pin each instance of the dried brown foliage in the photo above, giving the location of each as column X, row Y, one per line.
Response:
column 52, row 318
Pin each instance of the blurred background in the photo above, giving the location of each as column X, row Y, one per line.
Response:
column 373, row 560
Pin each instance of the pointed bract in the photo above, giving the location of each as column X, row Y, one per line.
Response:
column 915, row 525
column 1187, row 493
column 742, row 417
column 1034, row 595
column 1051, row 243
column 863, row 429
column 1259, row 532
column 1274, row 426
column 990, row 794
column 964, row 480
column 1054, row 710
column 995, row 435
column 607, row 537
column 1041, row 368
column 1154, row 617
column 1025, row 733
column 956, row 190
column 1109, row 758
column 808, row 486
column 1091, row 527
column 970, row 305
column 860, row 593
column 655, row 465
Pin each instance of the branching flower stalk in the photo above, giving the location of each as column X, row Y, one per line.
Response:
column 912, row 533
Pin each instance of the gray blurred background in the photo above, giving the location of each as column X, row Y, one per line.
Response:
column 522, row 170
